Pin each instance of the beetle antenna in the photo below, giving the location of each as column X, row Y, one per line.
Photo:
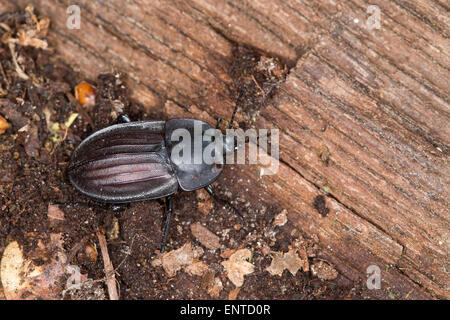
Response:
column 235, row 108
column 113, row 208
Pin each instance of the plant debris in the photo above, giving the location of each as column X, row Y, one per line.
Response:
column 55, row 213
column 281, row 218
column 259, row 78
column 197, row 268
column 32, row 142
column 205, row 203
column 46, row 125
column 29, row 32
column 85, row 94
column 234, row 293
column 238, row 266
column 215, row 289
column 4, row 125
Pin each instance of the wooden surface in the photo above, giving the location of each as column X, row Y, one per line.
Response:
column 378, row 100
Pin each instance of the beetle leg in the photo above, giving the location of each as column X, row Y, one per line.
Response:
column 113, row 208
column 123, row 118
column 210, row 190
column 167, row 224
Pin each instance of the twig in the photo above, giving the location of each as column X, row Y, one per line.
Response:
column 109, row 269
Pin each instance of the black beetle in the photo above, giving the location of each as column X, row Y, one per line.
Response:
column 131, row 161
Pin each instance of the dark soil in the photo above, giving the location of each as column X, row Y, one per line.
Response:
column 33, row 173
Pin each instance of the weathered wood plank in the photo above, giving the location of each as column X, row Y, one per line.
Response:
column 377, row 100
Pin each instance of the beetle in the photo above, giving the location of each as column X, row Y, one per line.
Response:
column 131, row 161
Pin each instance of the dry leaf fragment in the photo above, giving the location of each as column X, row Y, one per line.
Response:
column 238, row 266
column 277, row 266
column 288, row 260
column 233, row 294
column 85, row 94
column 87, row 289
column 304, row 256
column 55, row 213
column 12, row 264
column 32, row 143
column 205, row 237
column 207, row 279
column 324, row 271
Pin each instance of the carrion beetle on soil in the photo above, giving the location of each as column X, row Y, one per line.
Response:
column 131, row 161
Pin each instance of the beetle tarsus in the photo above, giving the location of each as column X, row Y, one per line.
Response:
column 104, row 166
column 167, row 224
